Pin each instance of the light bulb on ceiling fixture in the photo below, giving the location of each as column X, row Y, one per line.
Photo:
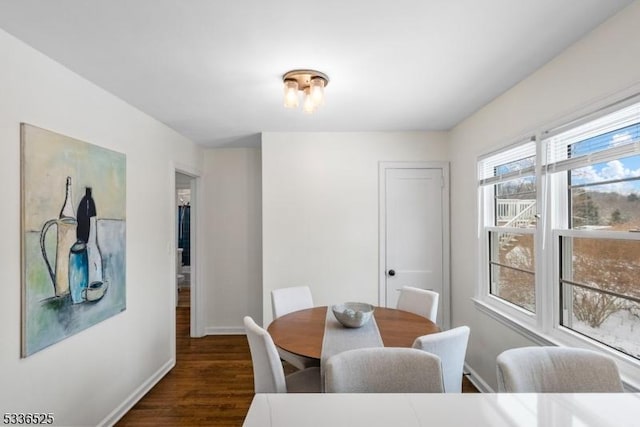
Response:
column 308, row 106
column 290, row 94
column 317, row 91
column 311, row 82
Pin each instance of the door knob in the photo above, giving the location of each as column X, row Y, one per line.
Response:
column 391, row 272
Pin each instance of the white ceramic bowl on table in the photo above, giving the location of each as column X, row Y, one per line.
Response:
column 353, row 314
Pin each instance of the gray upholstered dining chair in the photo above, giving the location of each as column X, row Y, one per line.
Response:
column 383, row 370
column 285, row 301
column 419, row 301
column 451, row 347
column 268, row 374
column 557, row 370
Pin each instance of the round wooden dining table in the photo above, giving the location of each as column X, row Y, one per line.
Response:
column 301, row 332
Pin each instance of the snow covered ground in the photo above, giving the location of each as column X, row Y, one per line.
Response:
column 621, row 330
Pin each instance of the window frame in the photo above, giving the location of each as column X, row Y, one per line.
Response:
column 513, row 314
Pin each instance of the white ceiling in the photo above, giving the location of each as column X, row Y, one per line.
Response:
column 212, row 70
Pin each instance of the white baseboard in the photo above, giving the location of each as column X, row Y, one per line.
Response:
column 215, row 330
column 477, row 380
column 138, row 394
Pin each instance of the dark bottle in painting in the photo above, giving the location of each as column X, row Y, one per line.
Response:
column 88, row 233
column 78, row 271
column 86, row 210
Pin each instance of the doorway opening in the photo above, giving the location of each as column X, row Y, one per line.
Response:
column 185, row 224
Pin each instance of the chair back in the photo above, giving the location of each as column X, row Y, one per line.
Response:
column 268, row 374
column 383, row 370
column 557, row 370
column 419, row 301
column 287, row 300
column 451, row 347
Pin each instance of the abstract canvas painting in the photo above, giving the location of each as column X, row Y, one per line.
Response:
column 73, row 236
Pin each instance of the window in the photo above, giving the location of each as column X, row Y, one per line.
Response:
column 598, row 164
column 508, row 184
column 559, row 227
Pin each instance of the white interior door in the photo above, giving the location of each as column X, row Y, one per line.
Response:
column 414, row 231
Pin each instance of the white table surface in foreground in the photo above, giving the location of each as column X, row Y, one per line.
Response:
column 477, row 410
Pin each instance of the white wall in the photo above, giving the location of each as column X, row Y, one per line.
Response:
column 85, row 379
column 232, row 227
column 320, row 209
column 605, row 62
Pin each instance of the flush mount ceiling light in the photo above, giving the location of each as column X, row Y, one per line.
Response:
column 310, row 82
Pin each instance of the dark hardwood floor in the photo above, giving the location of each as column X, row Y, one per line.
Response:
column 211, row 384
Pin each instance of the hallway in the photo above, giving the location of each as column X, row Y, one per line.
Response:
column 211, row 384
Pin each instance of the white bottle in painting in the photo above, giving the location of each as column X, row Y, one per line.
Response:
column 66, row 236
column 93, row 254
column 67, row 224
